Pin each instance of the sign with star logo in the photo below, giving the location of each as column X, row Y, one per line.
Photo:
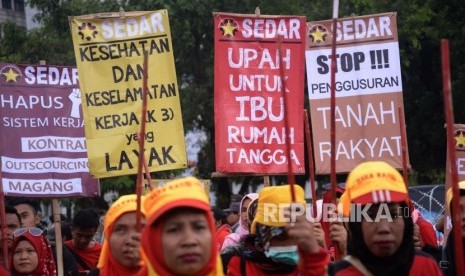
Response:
column 109, row 50
column 368, row 88
column 257, row 60
column 459, row 138
column 42, row 146
column 10, row 73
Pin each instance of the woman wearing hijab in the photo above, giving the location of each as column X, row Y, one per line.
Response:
column 180, row 237
column 276, row 246
column 121, row 247
column 380, row 226
column 31, row 254
column 450, row 258
column 244, row 224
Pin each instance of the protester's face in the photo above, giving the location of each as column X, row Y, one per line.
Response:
column 245, row 205
column 232, row 218
column 82, row 237
column 383, row 238
column 25, row 258
column 186, row 242
column 125, row 240
column 12, row 224
column 29, row 218
column 282, row 240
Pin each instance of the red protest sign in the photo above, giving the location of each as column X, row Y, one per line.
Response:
column 250, row 130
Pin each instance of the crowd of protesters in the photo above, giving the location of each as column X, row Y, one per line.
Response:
column 178, row 232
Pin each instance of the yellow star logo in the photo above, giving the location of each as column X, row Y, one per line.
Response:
column 11, row 75
column 318, row 35
column 87, row 31
column 460, row 141
column 228, row 29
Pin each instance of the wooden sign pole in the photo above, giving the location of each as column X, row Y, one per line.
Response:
column 141, row 139
column 449, row 113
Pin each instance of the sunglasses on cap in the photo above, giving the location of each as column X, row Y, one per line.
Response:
column 36, row 232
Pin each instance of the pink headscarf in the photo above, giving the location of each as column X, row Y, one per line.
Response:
column 242, row 230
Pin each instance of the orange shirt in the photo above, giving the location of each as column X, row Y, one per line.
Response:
column 89, row 255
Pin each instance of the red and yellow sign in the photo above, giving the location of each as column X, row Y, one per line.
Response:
column 254, row 96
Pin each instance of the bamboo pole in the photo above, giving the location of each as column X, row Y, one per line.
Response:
column 449, row 113
column 311, row 167
column 57, row 219
column 266, row 181
column 141, row 140
column 290, row 173
column 58, row 237
column 403, row 139
column 333, row 114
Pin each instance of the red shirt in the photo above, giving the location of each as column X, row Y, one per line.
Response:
column 3, row 271
column 311, row 264
column 427, row 233
column 422, row 265
column 221, row 234
column 89, row 255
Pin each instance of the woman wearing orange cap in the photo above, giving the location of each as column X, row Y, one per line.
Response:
column 179, row 238
column 381, row 229
column 121, row 248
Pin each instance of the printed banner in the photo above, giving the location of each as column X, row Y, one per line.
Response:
column 252, row 96
column 43, row 147
column 368, row 91
column 109, row 53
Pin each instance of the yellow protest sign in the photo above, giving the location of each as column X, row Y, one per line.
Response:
column 109, row 50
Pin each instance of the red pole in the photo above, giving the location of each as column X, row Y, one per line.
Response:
column 3, row 221
column 140, row 176
column 333, row 114
column 311, row 166
column 449, row 112
column 290, row 173
column 403, row 140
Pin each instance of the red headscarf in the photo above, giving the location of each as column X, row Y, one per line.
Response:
column 107, row 264
column 186, row 192
column 46, row 263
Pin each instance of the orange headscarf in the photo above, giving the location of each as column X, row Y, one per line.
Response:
column 107, row 263
column 185, row 192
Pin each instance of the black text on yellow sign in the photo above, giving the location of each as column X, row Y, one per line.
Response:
column 109, row 53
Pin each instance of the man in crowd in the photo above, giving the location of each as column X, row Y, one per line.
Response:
column 28, row 209
column 12, row 222
column 69, row 263
column 84, row 249
column 232, row 215
column 222, row 227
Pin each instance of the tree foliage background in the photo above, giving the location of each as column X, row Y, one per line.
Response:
column 421, row 25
